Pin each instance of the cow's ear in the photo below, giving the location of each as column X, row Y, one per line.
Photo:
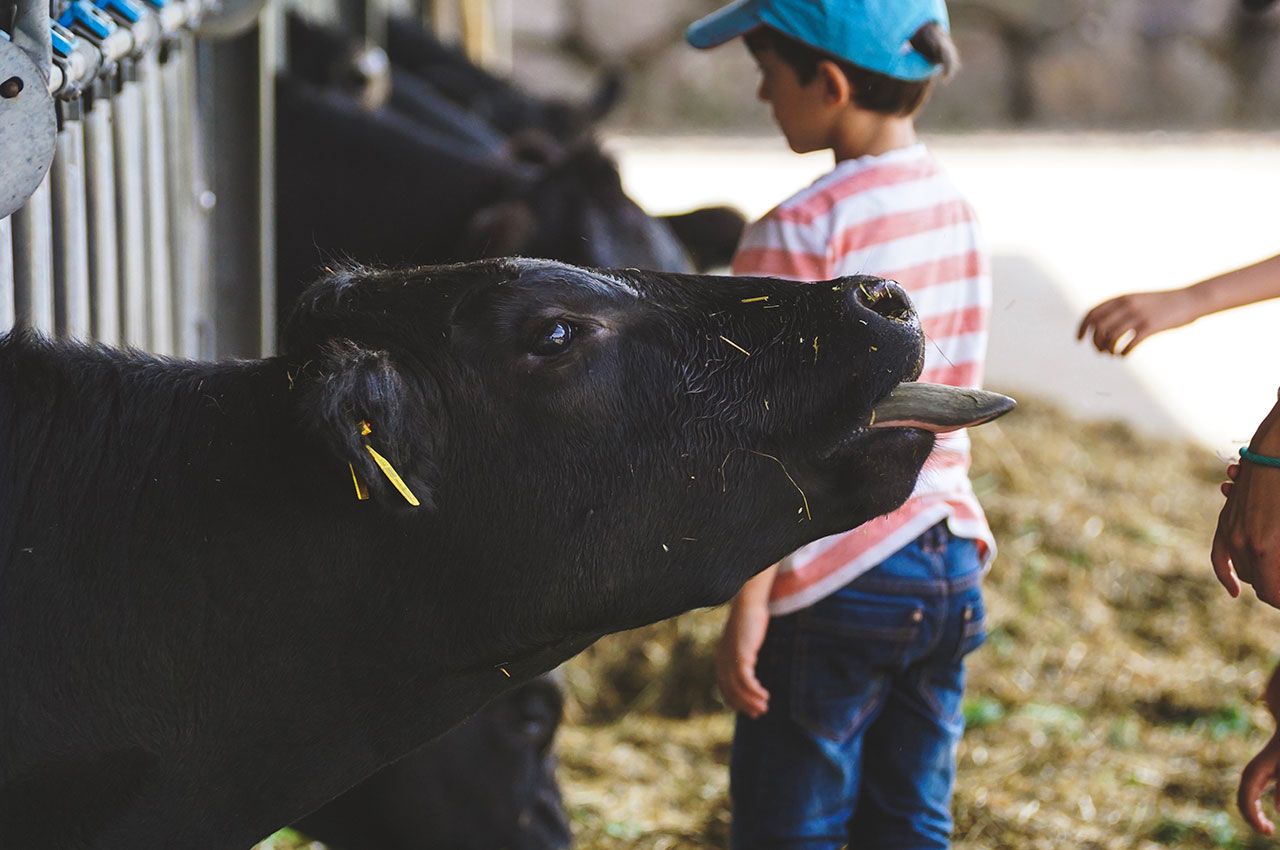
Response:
column 377, row 424
column 504, row 229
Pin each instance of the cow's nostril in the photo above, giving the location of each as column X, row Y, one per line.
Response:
column 883, row 297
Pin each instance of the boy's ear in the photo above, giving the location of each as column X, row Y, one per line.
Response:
column 347, row 385
column 836, row 86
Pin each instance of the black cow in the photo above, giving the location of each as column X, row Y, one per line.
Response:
column 487, row 784
column 494, row 99
column 420, row 178
column 205, row 634
column 381, row 187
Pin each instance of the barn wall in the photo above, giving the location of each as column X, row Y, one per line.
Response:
column 1027, row 63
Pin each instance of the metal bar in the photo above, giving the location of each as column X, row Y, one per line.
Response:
column 31, row 33
column 180, row 181
column 442, row 16
column 198, row 305
column 104, row 271
column 70, row 226
column 502, row 24
column 477, row 31
column 33, row 261
column 270, row 62
column 228, row 84
column 131, row 205
column 7, row 315
column 158, row 270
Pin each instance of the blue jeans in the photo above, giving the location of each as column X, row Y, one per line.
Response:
column 858, row 745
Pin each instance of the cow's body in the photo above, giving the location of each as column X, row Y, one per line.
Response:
column 204, row 634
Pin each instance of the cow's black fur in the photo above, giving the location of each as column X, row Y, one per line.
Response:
column 489, row 783
column 204, row 635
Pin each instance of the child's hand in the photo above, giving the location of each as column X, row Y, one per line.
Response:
column 1140, row 314
column 736, row 655
column 1259, row 773
column 1246, row 545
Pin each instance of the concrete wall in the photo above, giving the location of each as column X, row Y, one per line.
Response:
column 1027, row 63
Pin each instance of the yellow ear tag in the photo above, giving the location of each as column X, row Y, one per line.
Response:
column 392, row 476
column 361, row 493
column 387, row 470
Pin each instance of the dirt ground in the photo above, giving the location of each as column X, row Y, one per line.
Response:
column 1113, row 705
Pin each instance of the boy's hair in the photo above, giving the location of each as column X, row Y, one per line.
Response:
column 871, row 90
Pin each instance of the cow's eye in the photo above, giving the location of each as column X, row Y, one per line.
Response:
column 552, row 338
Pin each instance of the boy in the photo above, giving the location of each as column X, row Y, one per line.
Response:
column 845, row 662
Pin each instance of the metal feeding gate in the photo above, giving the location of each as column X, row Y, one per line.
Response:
column 101, row 175
column 137, row 166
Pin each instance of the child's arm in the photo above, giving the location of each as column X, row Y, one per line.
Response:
column 1145, row 313
column 1263, row 769
column 740, row 644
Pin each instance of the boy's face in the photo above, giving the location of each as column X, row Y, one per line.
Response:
column 802, row 110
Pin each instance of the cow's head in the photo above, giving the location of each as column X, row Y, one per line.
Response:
column 606, row 448
column 575, row 211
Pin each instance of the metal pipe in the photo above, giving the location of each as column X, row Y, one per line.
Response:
column 7, row 316
column 187, row 194
column 104, row 272
column 31, row 33
column 159, row 273
column 33, row 261
column 179, row 183
column 270, row 62
column 70, row 226
column 131, row 204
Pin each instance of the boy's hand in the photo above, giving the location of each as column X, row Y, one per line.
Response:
column 736, row 655
column 1246, row 546
column 1259, row 773
column 1140, row 314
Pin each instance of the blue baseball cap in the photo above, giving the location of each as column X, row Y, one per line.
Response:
column 872, row 34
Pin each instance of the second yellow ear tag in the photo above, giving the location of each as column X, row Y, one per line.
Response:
column 362, row 493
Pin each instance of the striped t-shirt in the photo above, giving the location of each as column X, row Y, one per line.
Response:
column 899, row 216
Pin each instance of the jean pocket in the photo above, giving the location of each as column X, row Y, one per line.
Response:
column 973, row 629
column 844, row 665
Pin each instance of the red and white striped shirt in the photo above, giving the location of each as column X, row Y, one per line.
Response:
column 899, row 216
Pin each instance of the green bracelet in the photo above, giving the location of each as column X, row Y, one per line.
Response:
column 1262, row 460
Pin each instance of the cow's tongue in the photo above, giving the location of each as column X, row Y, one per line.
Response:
column 937, row 407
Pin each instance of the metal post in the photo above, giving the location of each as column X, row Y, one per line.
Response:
column 443, row 20
column 477, row 31
column 70, row 225
column 184, row 196
column 104, row 272
column 157, row 228
column 270, row 62
column 33, row 261
column 31, row 33
column 131, row 204
column 229, row 89
column 7, row 316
